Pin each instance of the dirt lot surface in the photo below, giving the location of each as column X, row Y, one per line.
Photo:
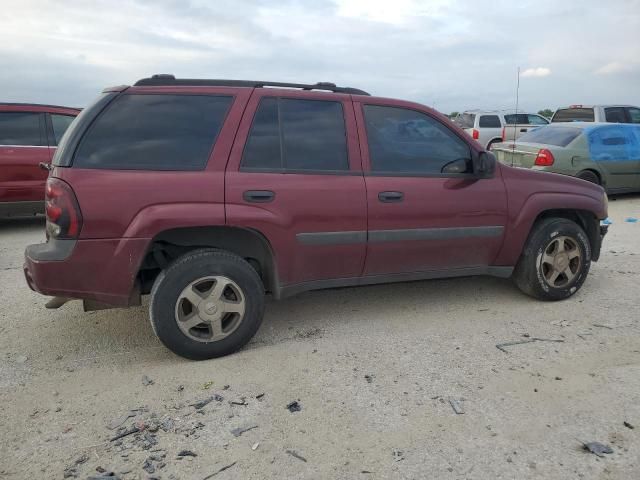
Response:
column 373, row 369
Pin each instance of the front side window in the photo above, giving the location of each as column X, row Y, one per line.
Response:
column 292, row 134
column 615, row 115
column 20, row 128
column 154, row 132
column 60, row 124
column 406, row 141
column 490, row 121
column 634, row 114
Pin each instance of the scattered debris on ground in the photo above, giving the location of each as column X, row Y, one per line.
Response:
column 226, row 467
column 294, row 406
column 501, row 346
column 187, row 453
column 456, row 405
column 597, row 448
column 202, row 403
column 600, row 325
column 146, row 381
column 628, row 425
column 240, row 430
column 369, row 378
column 398, row 455
column 295, row 454
column 255, row 446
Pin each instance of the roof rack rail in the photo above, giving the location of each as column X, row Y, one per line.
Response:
column 164, row 79
column 27, row 104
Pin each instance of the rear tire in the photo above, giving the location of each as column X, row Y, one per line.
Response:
column 492, row 143
column 555, row 261
column 206, row 304
column 589, row 176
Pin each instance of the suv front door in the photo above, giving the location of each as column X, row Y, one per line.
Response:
column 427, row 211
column 295, row 175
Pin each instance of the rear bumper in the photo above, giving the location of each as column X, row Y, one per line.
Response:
column 101, row 270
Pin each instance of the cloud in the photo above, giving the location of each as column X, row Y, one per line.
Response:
column 614, row 68
column 536, row 72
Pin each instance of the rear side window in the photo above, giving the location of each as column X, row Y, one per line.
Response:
column 615, row 115
column 465, row 120
column 60, row 124
column 21, row 128
column 154, row 132
column 292, row 134
column 558, row 136
column 406, row 141
column 537, row 120
column 489, row 121
column 574, row 115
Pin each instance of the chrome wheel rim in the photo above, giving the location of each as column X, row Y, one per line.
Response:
column 561, row 262
column 210, row 309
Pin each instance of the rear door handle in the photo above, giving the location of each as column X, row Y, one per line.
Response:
column 390, row 197
column 258, row 196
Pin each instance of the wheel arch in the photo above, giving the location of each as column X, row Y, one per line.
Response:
column 249, row 244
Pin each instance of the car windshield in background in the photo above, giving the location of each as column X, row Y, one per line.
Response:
column 574, row 115
column 557, row 136
column 465, row 120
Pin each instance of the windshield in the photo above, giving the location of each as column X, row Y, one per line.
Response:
column 574, row 115
column 558, row 136
column 465, row 120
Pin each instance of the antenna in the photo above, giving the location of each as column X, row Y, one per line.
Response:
column 513, row 147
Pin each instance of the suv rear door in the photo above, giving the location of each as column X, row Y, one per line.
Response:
column 421, row 219
column 295, row 175
column 23, row 145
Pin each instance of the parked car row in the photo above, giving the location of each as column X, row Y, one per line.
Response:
column 210, row 194
column 29, row 135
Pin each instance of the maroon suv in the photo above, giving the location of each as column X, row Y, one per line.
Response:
column 29, row 134
column 209, row 194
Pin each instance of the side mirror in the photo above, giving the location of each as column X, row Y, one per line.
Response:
column 484, row 165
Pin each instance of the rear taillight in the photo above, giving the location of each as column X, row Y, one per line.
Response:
column 475, row 134
column 544, row 158
column 504, row 133
column 64, row 219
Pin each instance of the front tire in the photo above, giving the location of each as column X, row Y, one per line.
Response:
column 207, row 304
column 555, row 261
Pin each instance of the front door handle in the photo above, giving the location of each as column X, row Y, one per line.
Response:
column 390, row 197
column 258, row 196
column 522, row 130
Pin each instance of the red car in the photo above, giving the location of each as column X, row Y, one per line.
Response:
column 29, row 134
column 209, row 194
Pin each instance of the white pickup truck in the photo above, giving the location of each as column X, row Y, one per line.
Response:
column 517, row 124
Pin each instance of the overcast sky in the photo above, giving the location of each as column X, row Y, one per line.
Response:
column 452, row 54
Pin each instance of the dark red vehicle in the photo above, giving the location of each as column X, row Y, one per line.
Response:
column 207, row 194
column 29, row 134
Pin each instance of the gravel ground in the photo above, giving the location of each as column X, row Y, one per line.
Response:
column 373, row 368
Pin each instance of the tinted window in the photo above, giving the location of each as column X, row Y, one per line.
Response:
column 490, row 121
column 20, row 128
column 402, row 140
column 154, row 132
column 537, row 120
column 574, row 115
column 465, row 120
column 310, row 136
column 615, row 115
column 262, row 149
column 513, row 119
column 60, row 124
column 634, row 115
column 558, row 136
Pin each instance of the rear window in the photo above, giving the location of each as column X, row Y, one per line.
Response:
column 465, row 120
column 154, row 132
column 513, row 119
column 21, row 128
column 558, row 136
column 489, row 121
column 574, row 115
